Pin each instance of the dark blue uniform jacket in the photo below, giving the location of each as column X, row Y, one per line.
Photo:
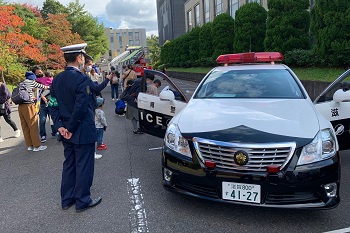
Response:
column 73, row 103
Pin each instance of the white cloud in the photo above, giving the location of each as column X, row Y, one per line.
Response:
column 134, row 13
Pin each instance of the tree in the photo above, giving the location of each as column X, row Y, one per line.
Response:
column 60, row 31
column 153, row 48
column 89, row 29
column 16, row 46
column 194, row 44
column 330, row 28
column 52, row 7
column 223, row 34
column 288, row 24
column 32, row 21
column 250, row 28
column 205, row 41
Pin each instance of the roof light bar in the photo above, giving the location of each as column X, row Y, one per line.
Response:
column 250, row 57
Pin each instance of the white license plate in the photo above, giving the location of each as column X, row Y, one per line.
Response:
column 241, row 192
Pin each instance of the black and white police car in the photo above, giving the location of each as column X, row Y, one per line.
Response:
column 250, row 134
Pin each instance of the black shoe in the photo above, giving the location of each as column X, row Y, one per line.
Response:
column 137, row 132
column 93, row 203
column 68, row 206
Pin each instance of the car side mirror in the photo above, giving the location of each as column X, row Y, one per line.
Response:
column 341, row 95
column 167, row 95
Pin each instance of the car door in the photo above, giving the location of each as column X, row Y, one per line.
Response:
column 155, row 112
column 334, row 104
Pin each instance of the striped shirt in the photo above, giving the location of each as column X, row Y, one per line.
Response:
column 30, row 85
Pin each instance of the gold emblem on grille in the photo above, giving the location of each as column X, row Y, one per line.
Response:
column 241, row 158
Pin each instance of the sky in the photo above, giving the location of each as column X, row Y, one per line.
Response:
column 116, row 13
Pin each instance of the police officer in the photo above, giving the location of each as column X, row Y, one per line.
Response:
column 72, row 106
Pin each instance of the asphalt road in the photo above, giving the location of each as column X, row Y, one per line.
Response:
column 128, row 178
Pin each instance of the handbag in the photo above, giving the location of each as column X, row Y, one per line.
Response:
column 2, row 109
column 115, row 80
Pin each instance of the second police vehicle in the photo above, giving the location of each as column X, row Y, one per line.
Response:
column 250, row 134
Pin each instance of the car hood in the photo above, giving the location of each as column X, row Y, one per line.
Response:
column 295, row 118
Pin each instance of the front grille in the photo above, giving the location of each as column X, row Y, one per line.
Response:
column 260, row 155
column 291, row 198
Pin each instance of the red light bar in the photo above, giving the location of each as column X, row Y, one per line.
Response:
column 250, row 57
column 210, row 164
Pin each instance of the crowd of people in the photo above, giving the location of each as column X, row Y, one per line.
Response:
column 73, row 103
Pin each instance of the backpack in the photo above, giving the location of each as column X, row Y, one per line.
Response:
column 120, row 107
column 20, row 94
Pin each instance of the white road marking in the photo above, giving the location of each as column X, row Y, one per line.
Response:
column 156, row 148
column 344, row 230
column 137, row 214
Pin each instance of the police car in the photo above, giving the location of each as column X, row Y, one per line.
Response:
column 250, row 134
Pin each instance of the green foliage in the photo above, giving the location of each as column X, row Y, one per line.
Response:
column 153, row 49
column 222, row 34
column 32, row 26
column 287, row 25
column 194, row 44
column 89, row 29
column 330, row 27
column 53, row 7
column 250, row 28
column 15, row 73
column 303, row 58
column 205, row 41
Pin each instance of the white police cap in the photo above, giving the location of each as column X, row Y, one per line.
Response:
column 75, row 48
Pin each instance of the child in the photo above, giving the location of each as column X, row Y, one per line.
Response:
column 100, row 123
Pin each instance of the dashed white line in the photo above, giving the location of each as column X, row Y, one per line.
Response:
column 137, row 214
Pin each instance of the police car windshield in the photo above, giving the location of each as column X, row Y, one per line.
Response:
column 255, row 83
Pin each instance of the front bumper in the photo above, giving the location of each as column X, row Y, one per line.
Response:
column 293, row 187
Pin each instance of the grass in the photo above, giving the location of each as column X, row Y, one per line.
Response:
column 313, row 74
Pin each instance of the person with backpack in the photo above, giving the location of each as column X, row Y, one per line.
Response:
column 28, row 114
column 5, row 109
column 130, row 96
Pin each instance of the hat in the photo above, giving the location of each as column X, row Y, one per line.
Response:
column 30, row 75
column 99, row 101
column 76, row 48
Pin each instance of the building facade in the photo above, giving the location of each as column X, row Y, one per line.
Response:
column 171, row 20
column 119, row 39
column 199, row 12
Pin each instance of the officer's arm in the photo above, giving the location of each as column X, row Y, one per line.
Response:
column 54, row 111
column 82, row 93
column 100, row 87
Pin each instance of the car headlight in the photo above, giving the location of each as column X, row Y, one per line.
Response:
column 174, row 140
column 322, row 147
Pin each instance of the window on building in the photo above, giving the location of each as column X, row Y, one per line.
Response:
column 117, row 34
column 124, row 34
column 189, row 20
column 249, row 1
column 234, row 5
column 137, row 42
column 130, row 34
column 110, row 53
column 137, row 36
column 218, row 7
column 131, row 42
column 112, row 39
column 206, row 11
column 197, row 16
column 120, row 42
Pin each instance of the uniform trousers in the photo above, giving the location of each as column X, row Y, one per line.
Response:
column 77, row 174
column 29, row 122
